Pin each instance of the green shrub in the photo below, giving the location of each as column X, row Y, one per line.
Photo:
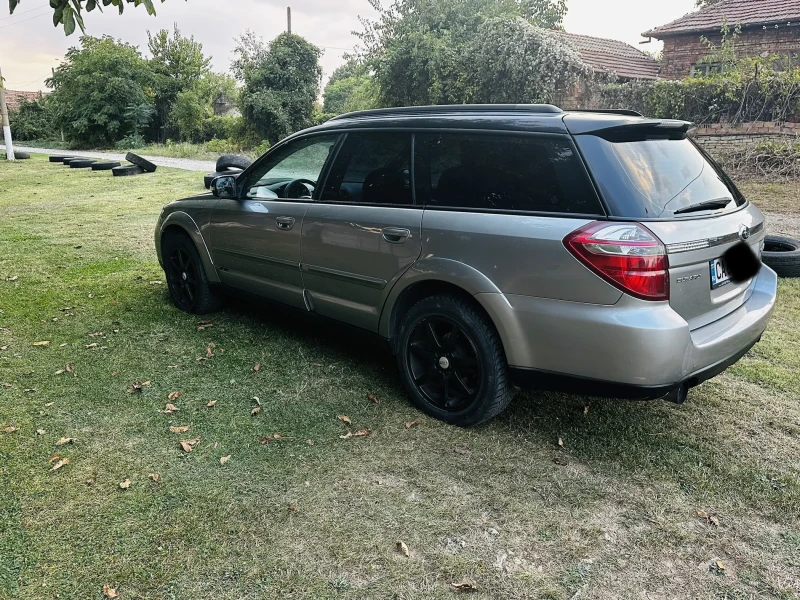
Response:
column 222, row 128
column 129, row 142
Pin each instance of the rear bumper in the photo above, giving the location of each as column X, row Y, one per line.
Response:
column 633, row 349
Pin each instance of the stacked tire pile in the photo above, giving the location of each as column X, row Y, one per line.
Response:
column 136, row 166
column 227, row 164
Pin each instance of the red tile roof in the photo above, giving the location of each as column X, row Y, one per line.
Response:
column 612, row 55
column 737, row 12
column 14, row 98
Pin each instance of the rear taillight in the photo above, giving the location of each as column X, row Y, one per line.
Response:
column 627, row 255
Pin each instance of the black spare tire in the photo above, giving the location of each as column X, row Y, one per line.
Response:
column 228, row 161
column 137, row 160
column 782, row 255
column 57, row 158
column 67, row 161
column 81, row 163
column 20, row 155
column 126, row 170
column 105, row 166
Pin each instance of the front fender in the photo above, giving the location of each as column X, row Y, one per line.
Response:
column 187, row 223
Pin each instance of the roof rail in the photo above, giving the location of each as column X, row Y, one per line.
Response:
column 450, row 108
column 610, row 111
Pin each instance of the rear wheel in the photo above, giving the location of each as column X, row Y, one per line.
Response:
column 452, row 361
column 186, row 277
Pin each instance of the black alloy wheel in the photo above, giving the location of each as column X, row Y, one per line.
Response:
column 444, row 364
column 183, row 278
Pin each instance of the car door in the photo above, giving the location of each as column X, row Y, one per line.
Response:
column 255, row 240
column 364, row 231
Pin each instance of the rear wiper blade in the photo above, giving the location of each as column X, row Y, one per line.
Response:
column 707, row 205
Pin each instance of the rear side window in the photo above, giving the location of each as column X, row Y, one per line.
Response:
column 502, row 172
column 371, row 168
column 656, row 178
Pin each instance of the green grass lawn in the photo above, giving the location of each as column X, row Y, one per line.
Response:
column 611, row 514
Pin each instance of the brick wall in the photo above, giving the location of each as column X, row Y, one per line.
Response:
column 683, row 51
column 719, row 138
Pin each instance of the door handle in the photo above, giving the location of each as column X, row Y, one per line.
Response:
column 395, row 235
column 285, row 223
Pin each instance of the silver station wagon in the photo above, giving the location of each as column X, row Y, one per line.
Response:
column 491, row 247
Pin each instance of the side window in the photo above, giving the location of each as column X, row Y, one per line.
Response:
column 292, row 171
column 508, row 172
column 371, row 168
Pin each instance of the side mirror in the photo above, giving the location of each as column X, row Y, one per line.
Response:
column 224, row 187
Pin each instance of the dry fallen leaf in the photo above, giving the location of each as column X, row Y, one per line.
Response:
column 65, row 440
column 292, row 508
column 257, row 367
column 91, row 480
column 40, row 432
column 7, row 385
column 10, row 429
column 345, row 418
column 154, row 476
column 255, row 411
column 586, row 410
column 189, row 445
column 135, row 387
column 59, row 464
column 48, row 405
column 464, row 586
column 170, row 408
column 203, row 325
column 411, row 424
column 110, row 592
column 42, row 343
column 401, row 547
column 560, row 442
column 60, row 372
column 53, row 459
column 14, row 278
column 266, row 440
column 212, row 404
column 310, row 442
column 124, row 485
column 181, row 429
column 175, row 395
column 209, row 353
column 224, row 459
column 93, row 345
column 69, row 368
column 372, row 398
column 362, row 432
column 346, row 435
column 461, row 451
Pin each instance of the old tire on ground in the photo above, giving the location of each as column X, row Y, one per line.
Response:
column 81, row 163
column 186, row 278
column 126, row 170
column 209, row 177
column 66, row 158
column 452, row 361
column 105, row 166
column 137, row 160
column 228, row 161
column 57, row 157
column 21, row 155
column 782, row 255
column 67, row 161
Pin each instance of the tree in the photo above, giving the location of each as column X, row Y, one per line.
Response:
column 178, row 65
column 95, row 87
column 350, row 88
column 70, row 12
column 281, row 84
column 418, row 49
column 33, row 120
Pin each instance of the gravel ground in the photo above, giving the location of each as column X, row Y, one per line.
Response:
column 788, row 225
column 206, row 166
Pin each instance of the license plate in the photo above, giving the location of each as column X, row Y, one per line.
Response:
column 719, row 274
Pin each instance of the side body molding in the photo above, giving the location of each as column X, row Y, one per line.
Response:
column 187, row 223
column 438, row 270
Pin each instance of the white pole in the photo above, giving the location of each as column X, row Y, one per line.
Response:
column 6, row 124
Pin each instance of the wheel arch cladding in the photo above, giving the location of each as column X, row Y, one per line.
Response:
column 179, row 223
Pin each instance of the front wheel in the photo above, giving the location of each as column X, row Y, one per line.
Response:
column 452, row 362
column 186, row 277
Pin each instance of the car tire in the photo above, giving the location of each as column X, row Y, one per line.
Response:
column 782, row 255
column 452, row 362
column 228, row 161
column 105, row 166
column 66, row 161
column 83, row 163
column 53, row 158
column 21, row 155
column 209, row 177
column 143, row 163
column 186, row 277
column 126, row 170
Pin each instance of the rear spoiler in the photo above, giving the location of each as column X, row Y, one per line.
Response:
column 616, row 128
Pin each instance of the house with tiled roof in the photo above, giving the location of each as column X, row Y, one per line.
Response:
column 768, row 27
column 607, row 56
column 14, row 98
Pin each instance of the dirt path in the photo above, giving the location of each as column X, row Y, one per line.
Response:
column 206, row 166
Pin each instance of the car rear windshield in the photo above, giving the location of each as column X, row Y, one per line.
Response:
column 657, row 178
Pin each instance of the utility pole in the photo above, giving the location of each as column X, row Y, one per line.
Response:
column 289, row 19
column 6, row 124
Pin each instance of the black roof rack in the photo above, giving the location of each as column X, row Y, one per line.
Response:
column 451, row 108
column 610, row 111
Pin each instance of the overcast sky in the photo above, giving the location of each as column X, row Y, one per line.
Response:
column 30, row 45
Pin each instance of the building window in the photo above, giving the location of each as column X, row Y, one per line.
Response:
column 706, row 69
